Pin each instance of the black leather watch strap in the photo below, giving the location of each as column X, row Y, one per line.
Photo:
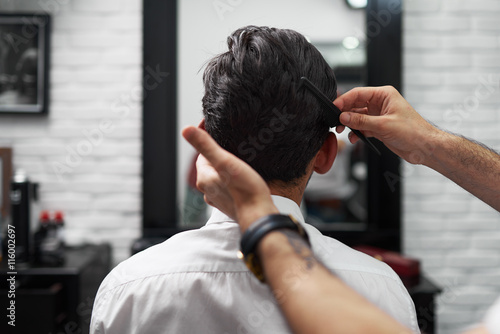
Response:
column 264, row 225
column 257, row 231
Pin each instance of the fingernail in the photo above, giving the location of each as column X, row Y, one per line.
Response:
column 345, row 118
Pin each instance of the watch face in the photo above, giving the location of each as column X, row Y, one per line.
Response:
column 252, row 264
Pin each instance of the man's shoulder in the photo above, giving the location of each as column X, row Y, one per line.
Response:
column 203, row 249
column 371, row 278
column 339, row 257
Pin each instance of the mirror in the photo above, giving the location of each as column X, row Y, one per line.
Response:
column 331, row 25
column 338, row 199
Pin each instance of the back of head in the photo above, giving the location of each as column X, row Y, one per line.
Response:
column 251, row 104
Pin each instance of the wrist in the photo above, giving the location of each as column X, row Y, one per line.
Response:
column 272, row 243
column 249, row 213
column 438, row 145
column 260, row 229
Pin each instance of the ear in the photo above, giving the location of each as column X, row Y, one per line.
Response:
column 202, row 124
column 325, row 157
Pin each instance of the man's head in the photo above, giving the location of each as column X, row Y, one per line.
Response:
column 252, row 107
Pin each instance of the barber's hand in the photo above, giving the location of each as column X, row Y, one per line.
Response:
column 229, row 183
column 382, row 112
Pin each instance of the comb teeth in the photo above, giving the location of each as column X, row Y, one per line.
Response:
column 332, row 112
column 333, row 116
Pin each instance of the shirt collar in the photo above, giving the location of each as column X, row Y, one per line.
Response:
column 285, row 206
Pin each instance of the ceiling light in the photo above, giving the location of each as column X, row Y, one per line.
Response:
column 357, row 4
column 350, row 43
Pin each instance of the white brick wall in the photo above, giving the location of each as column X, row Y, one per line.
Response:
column 452, row 48
column 451, row 76
column 95, row 109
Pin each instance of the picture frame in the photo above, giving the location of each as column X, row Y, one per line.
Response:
column 24, row 63
column 5, row 177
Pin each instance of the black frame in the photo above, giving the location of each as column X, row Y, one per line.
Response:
column 384, row 52
column 160, row 133
column 383, row 67
column 32, row 33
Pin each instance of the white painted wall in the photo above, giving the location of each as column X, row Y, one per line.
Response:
column 451, row 76
column 452, row 47
column 96, row 71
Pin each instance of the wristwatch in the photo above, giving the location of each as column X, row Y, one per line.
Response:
column 257, row 231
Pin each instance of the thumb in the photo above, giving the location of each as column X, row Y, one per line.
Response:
column 221, row 160
column 206, row 145
column 359, row 121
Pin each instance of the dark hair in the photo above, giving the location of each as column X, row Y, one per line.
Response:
column 252, row 107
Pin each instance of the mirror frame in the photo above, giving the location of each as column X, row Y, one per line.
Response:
column 160, row 133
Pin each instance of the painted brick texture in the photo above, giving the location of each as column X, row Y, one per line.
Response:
column 86, row 153
column 452, row 76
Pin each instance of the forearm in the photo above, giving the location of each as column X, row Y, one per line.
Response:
column 312, row 299
column 472, row 166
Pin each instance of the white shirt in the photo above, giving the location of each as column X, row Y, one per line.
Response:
column 492, row 319
column 194, row 283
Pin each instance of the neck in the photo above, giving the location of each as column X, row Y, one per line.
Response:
column 294, row 191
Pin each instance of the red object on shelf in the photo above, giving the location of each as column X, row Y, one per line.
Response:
column 405, row 267
column 59, row 217
column 44, row 217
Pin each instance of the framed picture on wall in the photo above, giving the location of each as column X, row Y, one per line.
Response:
column 24, row 63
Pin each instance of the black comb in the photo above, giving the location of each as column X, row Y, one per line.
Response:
column 333, row 115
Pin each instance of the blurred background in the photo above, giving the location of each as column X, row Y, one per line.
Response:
column 86, row 152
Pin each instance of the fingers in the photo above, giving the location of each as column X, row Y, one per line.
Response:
column 340, row 128
column 369, row 125
column 207, row 146
column 206, row 176
column 215, row 186
column 200, row 140
column 227, row 182
column 355, row 98
column 360, row 121
column 359, row 110
column 216, row 166
column 353, row 138
column 371, row 98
